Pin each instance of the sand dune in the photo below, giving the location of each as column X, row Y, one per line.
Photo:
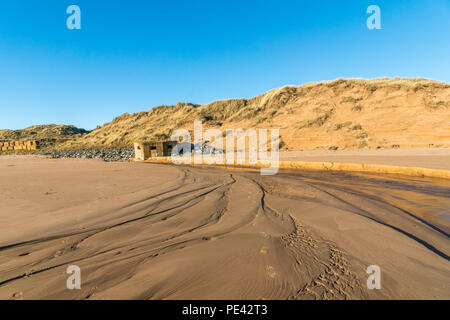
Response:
column 342, row 114
column 148, row 231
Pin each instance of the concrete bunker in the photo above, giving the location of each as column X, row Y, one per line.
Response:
column 151, row 149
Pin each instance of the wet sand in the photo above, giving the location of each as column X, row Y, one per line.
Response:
column 149, row 231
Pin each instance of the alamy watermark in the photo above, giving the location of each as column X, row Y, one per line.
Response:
column 374, row 20
column 374, row 279
column 74, row 20
column 209, row 147
column 74, row 281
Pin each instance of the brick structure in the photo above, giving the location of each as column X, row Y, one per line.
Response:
column 151, row 149
column 19, row 145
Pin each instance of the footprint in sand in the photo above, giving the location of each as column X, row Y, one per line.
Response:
column 18, row 295
column 270, row 271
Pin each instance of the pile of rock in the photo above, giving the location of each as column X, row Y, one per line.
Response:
column 110, row 154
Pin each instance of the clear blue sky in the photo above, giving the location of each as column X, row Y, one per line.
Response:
column 132, row 55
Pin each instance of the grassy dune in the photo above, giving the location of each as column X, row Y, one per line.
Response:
column 339, row 114
column 47, row 134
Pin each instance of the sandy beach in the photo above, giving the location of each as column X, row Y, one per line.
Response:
column 225, row 159
column 149, row 231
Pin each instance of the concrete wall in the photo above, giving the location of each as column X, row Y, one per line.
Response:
column 141, row 151
column 19, row 145
column 327, row 166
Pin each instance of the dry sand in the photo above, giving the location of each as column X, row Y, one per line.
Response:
column 149, row 231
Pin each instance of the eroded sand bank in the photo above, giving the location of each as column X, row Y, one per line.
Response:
column 432, row 158
column 148, row 231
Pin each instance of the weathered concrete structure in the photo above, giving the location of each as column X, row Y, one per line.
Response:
column 19, row 145
column 152, row 149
